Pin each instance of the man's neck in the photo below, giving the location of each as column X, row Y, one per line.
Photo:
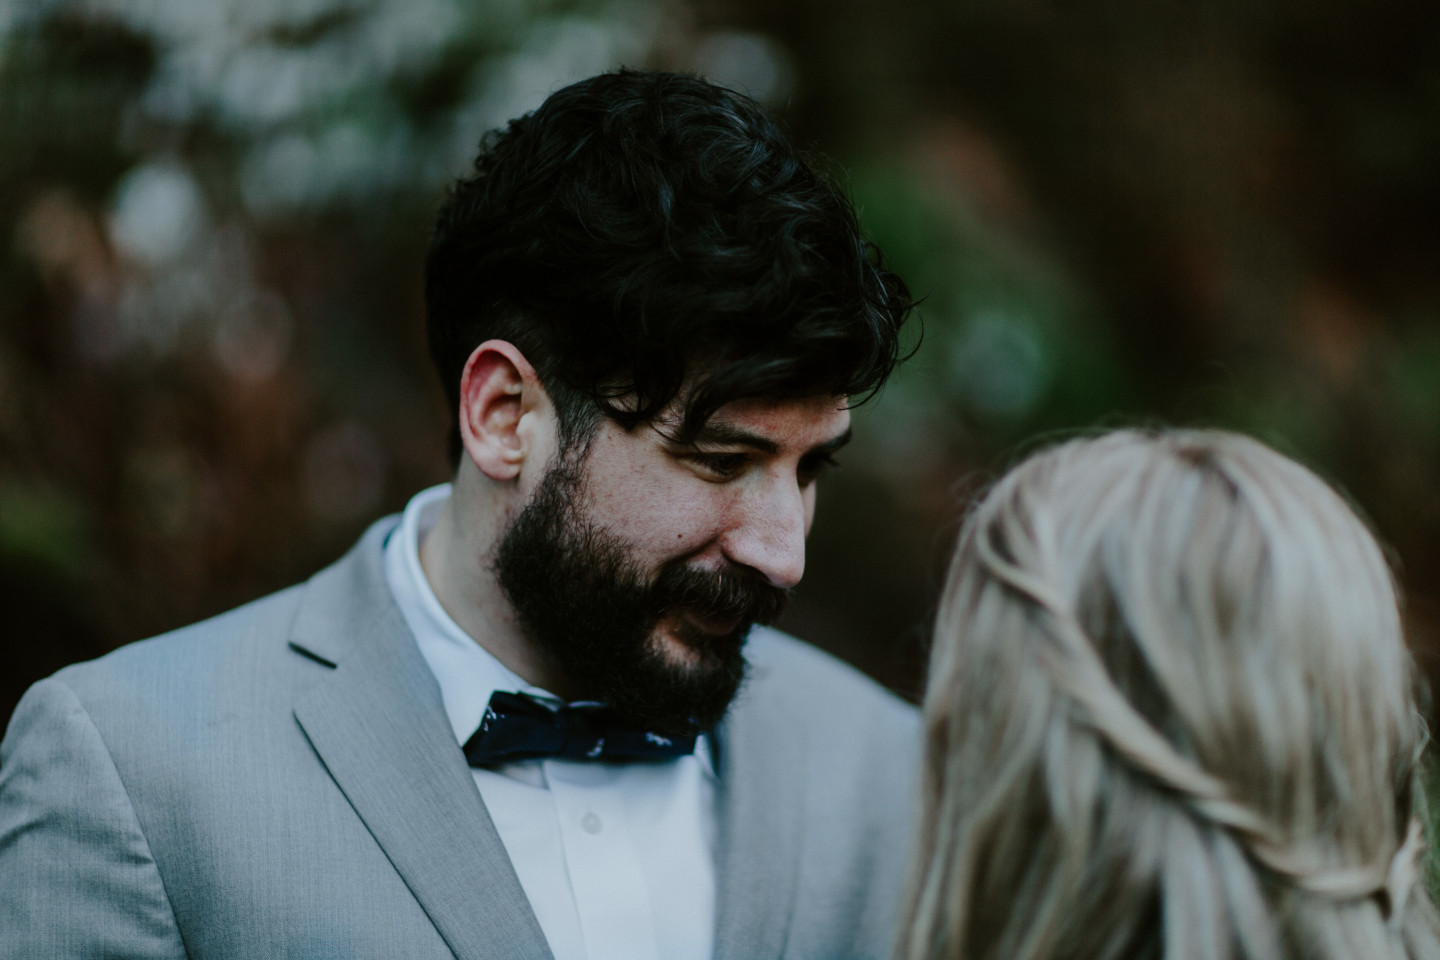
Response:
column 454, row 557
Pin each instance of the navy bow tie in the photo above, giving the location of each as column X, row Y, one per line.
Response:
column 519, row 727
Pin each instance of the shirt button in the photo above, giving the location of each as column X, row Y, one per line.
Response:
column 590, row 823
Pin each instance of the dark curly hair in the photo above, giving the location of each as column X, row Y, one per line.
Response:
column 646, row 233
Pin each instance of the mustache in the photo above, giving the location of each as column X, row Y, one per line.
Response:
column 730, row 593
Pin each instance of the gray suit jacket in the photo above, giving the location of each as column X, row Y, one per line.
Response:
column 282, row 781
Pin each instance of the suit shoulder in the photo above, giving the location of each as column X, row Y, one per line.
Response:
column 210, row 646
column 789, row 672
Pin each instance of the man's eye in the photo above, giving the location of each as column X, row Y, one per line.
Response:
column 812, row 466
column 721, row 466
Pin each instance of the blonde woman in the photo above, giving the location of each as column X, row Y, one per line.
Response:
column 1170, row 715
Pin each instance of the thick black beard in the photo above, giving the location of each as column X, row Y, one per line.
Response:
column 586, row 604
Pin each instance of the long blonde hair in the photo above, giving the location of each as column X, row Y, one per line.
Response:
column 1170, row 715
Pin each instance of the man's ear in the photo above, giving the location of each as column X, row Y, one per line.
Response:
column 497, row 388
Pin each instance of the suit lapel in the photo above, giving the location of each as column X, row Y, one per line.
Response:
column 378, row 725
column 761, row 817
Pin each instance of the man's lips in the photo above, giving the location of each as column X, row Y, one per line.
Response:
column 711, row 625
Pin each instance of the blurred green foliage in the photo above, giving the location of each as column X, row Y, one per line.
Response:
column 1011, row 342
column 43, row 527
column 212, row 371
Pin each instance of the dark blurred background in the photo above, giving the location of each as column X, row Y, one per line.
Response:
column 213, row 212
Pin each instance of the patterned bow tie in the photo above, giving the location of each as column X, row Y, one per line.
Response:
column 519, row 727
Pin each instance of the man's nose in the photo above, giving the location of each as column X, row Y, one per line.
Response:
column 768, row 533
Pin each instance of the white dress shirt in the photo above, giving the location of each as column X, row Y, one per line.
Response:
column 617, row 860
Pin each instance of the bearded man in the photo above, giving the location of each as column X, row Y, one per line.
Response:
column 530, row 717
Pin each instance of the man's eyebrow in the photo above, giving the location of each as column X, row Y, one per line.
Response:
column 830, row 446
column 727, row 435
